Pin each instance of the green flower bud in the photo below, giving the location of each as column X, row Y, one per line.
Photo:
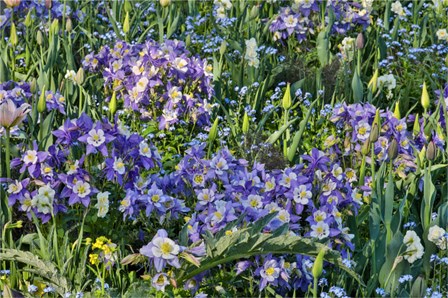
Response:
column 213, row 131
column 374, row 133
column 13, row 35
column 68, row 25
column 425, row 97
column 223, row 47
column 33, row 85
column 366, row 147
column 79, row 78
column 42, row 104
column 360, row 41
column 39, row 37
column 113, row 104
column 286, row 103
column 416, row 128
column 126, row 25
column 397, row 113
column 245, row 127
column 373, row 84
column 431, row 152
column 28, row 21
column 392, row 152
column 165, row 3
column 318, row 264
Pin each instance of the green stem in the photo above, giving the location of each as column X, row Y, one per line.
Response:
column 8, row 154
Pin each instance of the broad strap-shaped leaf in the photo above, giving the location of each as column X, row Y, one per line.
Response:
column 44, row 269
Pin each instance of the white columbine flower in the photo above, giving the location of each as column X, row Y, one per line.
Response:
column 181, row 65
column 119, row 166
column 320, row 230
column 442, row 34
column 164, row 248
column 302, row 195
column 103, row 203
column 145, row 150
column 30, row 157
column 175, row 94
column 398, row 8
column 82, row 189
column 96, row 137
column 141, row 84
column 15, row 187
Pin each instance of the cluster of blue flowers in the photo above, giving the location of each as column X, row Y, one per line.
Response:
column 160, row 81
column 301, row 18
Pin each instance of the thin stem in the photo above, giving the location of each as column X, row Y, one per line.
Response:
column 8, row 154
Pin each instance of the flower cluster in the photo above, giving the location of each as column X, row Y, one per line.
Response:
column 438, row 236
column 302, row 17
column 251, row 53
column 59, row 176
column 161, row 81
column 103, row 252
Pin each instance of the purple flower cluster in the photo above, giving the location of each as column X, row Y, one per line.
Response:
column 302, row 17
column 356, row 122
column 57, row 9
column 64, row 172
column 161, row 81
column 20, row 93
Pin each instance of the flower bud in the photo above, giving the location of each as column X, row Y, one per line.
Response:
column 127, row 6
column 416, row 128
column 366, row 147
column 12, row 3
column 165, row 3
column 79, row 78
column 245, row 127
column 42, row 104
column 392, row 152
column 113, row 104
column 360, row 41
column 188, row 41
column 39, row 37
column 254, row 12
column 286, row 103
column 422, row 154
column 13, row 35
column 373, row 84
column 126, row 25
column 425, row 97
column 69, row 25
column 48, row 4
column 213, row 131
column 374, row 133
column 318, row 264
column 432, row 151
column 33, row 85
column 397, row 110
column 28, row 21
column 223, row 47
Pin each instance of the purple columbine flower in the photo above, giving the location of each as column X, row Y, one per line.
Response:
column 162, row 250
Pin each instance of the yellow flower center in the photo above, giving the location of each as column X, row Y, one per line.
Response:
column 166, row 248
column 270, row 271
column 155, row 198
column 362, row 130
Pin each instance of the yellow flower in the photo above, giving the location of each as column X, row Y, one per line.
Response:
column 94, row 259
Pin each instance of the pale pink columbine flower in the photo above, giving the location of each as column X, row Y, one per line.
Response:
column 12, row 3
column 10, row 115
